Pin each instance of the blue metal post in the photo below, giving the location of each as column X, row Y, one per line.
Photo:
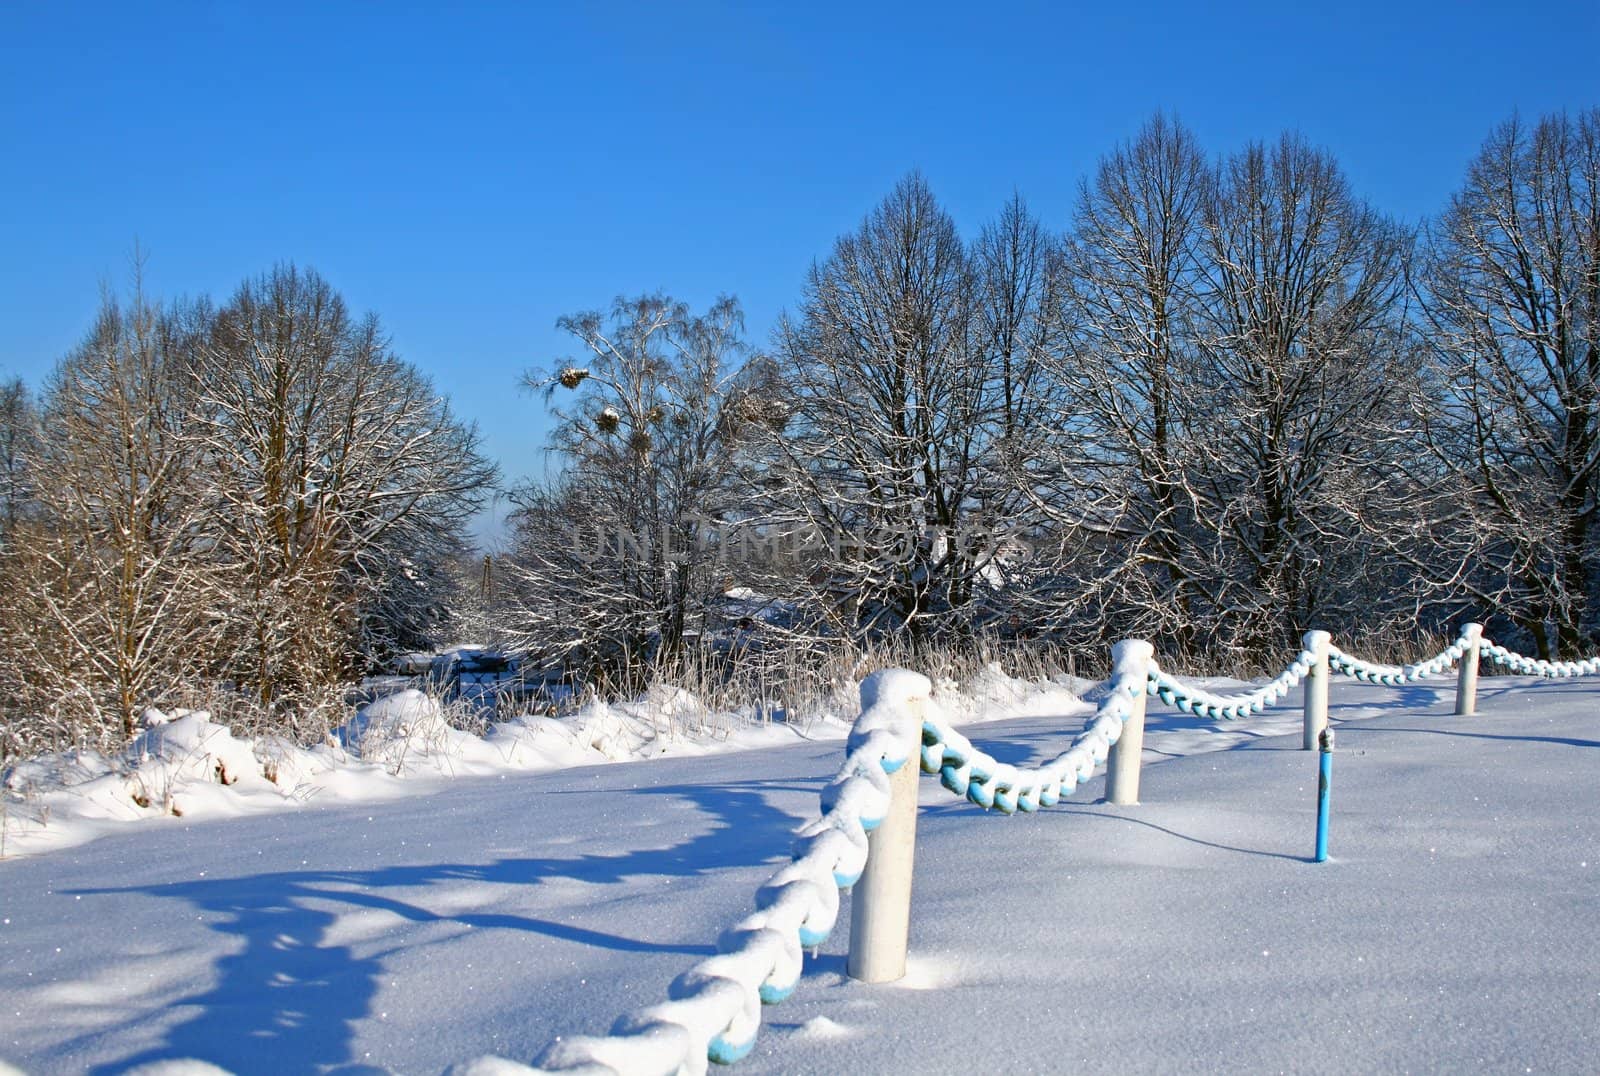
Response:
column 1324, row 786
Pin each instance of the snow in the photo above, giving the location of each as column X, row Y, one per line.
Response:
column 187, row 767
column 487, row 916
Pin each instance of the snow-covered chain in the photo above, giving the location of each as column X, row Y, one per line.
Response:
column 1202, row 703
column 1395, row 675
column 1535, row 667
column 969, row 772
column 713, row 1011
column 990, row 784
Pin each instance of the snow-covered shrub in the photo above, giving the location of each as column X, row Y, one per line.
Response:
column 387, row 731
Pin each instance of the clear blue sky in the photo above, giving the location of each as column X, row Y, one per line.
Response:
column 472, row 174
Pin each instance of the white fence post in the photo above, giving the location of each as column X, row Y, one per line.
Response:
column 1467, row 676
column 1316, row 688
column 880, row 902
column 1122, row 768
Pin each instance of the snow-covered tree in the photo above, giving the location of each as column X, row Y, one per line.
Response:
column 333, row 463
column 107, row 613
column 19, row 446
column 1303, row 383
column 1513, row 299
column 1237, row 376
column 618, row 559
column 1122, row 443
column 19, row 441
column 909, row 369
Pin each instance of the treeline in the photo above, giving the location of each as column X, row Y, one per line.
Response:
column 242, row 506
column 1232, row 401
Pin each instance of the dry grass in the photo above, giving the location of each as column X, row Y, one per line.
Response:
column 789, row 680
column 797, row 681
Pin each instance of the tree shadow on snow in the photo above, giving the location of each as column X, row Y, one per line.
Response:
column 1104, row 816
column 1564, row 741
column 288, row 1000
column 1404, row 697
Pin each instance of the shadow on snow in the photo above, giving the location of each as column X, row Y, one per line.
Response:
column 1563, row 741
column 287, row 1001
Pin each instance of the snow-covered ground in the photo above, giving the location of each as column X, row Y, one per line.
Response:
column 1454, row 927
column 185, row 766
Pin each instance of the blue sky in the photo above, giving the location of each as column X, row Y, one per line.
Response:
column 473, row 173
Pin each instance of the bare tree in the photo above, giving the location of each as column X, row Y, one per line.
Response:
column 1237, row 375
column 908, row 373
column 1016, row 262
column 111, row 606
column 254, row 498
column 332, row 460
column 1016, row 332
column 1513, row 298
column 412, row 590
column 620, row 559
column 1123, row 455
column 571, row 582
column 19, row 441
column 1304, row 381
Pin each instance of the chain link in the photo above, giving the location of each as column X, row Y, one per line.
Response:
column 993, row 785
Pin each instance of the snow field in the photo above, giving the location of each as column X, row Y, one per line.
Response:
column 489, row 916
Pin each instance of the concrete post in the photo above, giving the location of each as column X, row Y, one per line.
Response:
column 1316, row 688
column 1131, row 657
column 1467, row 675
column 880, row 902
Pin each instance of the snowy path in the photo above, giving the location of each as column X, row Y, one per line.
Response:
column 1455, row 927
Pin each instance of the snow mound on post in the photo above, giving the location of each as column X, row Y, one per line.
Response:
column 893, row 705
column 893, row 687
